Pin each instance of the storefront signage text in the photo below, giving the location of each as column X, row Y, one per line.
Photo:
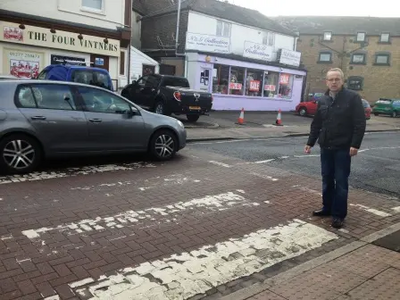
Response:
column 42, row 37
column 257, row 51
column 235, row 86
column 289, row 57
column 254, row 85
column 208, row 43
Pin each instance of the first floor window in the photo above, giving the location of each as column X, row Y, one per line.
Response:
column 93, row 4
column 327, row 36
column 285, row 85
column 382, row 59
column 325, row 57
column 254, row 83
column 385, row 38
column 360, row 37
column 220, row 79
column 358, row 58
column 271, row 84
column 223, row 29
column 237, row 80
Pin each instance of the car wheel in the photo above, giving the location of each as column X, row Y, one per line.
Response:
column 376, row 114
column 19, row 154
column 192, row 118
column 394, row 114
column 303, row 111
column 163, row 145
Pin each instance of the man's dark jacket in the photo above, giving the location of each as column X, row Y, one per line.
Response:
column 339, row 123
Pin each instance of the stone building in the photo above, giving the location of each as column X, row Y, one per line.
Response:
column 367, row 49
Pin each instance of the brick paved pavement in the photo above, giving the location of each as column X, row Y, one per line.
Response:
column 76, row 234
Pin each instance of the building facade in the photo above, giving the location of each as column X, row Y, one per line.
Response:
column 366, row 49
column 245, row 59
column 86, row 32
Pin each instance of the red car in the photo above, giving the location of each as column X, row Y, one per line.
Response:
column 309, row 108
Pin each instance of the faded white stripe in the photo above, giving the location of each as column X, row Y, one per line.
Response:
column 372, row 210
column 218, row 202
column 219, row 164
column 188, row 274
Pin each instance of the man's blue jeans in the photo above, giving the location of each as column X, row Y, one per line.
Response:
column 335, row 169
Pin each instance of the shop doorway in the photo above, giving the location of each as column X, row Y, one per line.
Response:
column 100, row 61
column 205, row 83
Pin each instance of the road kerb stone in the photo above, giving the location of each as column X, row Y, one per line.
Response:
column 255, row 289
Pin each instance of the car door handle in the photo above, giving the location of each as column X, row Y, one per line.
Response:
column 38, row 118
column 95, row 120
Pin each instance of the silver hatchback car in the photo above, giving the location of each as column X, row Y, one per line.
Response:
column 41, row 119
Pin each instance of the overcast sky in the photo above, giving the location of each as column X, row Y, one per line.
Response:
column 381, row 8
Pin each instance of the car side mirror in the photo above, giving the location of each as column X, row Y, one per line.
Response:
column 133, row 111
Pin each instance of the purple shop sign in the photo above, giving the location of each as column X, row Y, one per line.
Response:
column 207, row 43
column 257, row 51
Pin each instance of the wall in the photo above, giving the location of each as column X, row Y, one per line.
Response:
column 136, row 31
column 137, row 61
column 203, row 24
column 71, row 10
column 379, row 81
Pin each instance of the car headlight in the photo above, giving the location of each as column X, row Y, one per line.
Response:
column 180, row 124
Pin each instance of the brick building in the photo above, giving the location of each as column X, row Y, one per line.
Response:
column 367, row 49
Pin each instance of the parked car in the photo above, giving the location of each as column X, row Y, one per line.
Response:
column 309, row 108
column 5, row 77
column 387, row 107
column 168, row 95
column 81, row 74
column 41, row 119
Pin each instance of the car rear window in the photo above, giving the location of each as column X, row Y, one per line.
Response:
column 91, row 77
column 384, row 101
column 178, row 82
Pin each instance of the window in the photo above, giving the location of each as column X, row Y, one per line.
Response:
column 268, row 38
column 327, row 36
column 103, row 102
column 173, row 81
column 223, row 29
column 385, row 38
column 42, row 75
column 237, row 80
column 285, row 85
column 271, row 83
column 46, row 96
column 382, row 59
column 122, row 63
column 325, row 57
column 91, row 77
column 142, row 81
column 358, row 58
column 360, row 37
column 93, row 4
column 220, row 79
column 355, row 83
column 254, row 83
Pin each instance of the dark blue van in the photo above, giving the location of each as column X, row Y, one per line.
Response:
column 82, row 74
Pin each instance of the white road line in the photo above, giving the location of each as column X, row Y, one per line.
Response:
column 264, row 161
column 306, row 155
column 69, row 172
column 265, row 176
column 219, row 164
column 306, row 189
column 185, row 275
column 396, row 209
column 166, row 213
column 372, row 210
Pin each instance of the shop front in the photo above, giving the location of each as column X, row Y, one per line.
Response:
column 26, row 50
column 240, row 82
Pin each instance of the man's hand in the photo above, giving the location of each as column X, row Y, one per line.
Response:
column 307, row 149
column 353, row 151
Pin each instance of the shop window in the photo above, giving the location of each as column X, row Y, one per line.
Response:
column 254, row 83
column 285, row 85
column 223, row 29
column 93, row 4
column 220, row 79
column 271, row 83
column 237, row 80
column 355, row 83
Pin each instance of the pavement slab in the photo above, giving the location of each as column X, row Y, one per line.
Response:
column 133, row 230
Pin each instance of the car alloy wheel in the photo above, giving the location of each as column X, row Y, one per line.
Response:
column 394, row 114
column 303, row 112
column 19, row 154
column 163, row 145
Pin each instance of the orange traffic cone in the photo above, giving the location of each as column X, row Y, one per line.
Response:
column 241, row 118
column 278, row 121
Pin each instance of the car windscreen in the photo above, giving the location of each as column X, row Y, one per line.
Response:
column 178, row 82
column 91, row 77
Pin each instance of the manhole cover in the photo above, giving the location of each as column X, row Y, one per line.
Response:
column 391, row 241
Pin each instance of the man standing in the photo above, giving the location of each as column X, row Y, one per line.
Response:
column 339, row 126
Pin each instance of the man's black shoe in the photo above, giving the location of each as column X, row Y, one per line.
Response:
column 337, row 223
column 321, row 213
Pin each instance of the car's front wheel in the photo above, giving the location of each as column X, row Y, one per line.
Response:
column 163, row 145
column 192, row 118
column 303, row 111
column 19, row 154
column 394, row 114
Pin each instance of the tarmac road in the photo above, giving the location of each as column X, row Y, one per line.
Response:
column 375, row 169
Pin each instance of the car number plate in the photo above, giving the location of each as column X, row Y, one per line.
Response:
column 194, row 107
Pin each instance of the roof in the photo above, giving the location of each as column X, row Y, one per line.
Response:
column 144, row 7
column 340, row 25
column 227, row 11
